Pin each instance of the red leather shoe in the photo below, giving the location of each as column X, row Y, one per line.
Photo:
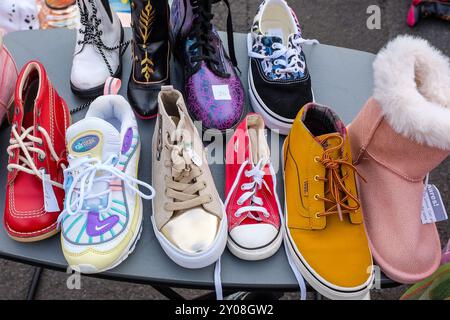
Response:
column 252, row 205
column 37, row 156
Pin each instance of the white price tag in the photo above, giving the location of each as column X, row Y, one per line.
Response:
column 433, row 209
column 196, row 159
column 50, row 201
column 221, row 92
column 275, row 32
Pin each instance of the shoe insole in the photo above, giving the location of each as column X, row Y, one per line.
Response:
column 258, row 144
column 28, row 104
column 276, row 22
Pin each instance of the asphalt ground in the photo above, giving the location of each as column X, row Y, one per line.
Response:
column 335, row 22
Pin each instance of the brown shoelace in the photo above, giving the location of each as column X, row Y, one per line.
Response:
column 183, row 185
column 338, row 193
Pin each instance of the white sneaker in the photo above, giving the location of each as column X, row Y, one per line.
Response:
column 98, row 49
column 102, row 217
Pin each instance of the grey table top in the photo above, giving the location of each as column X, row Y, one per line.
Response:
column 341, row 78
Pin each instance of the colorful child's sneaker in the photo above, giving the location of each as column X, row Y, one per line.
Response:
column 102, row 218
column 37, row 157
column 252, row 205
column 279, row 80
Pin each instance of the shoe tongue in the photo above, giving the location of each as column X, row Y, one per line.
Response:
column 93, row 137
column 269, row 39
column 330, row 140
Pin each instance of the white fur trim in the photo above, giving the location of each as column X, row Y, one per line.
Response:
column 412, row 85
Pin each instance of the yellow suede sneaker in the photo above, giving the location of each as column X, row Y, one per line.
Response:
column 325, row 234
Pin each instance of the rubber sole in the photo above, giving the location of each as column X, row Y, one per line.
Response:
column 320, row 285
column 33, row 239
column 144, row 117
column 256, row 254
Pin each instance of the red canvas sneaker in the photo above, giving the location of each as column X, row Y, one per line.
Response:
column 252, row 205
column 37, row 154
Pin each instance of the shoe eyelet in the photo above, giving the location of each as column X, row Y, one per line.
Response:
column 316, row 178
column 316, row 159
column 316, row 196
column 317, row 215
column 41, row 158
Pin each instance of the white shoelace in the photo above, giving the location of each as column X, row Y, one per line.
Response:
column 86, row 175
column 218, row 280
column 257, row 173
column 294, row 268
column 281, row 51
column 26, row 142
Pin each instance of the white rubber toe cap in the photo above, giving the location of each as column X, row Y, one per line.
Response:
column 253, row 236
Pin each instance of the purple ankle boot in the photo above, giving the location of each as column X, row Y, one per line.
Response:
column 214, row 93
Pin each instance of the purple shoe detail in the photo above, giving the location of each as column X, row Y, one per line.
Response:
column 220, row 114
column 206, row 65
column 127, row 140
column 96, row 227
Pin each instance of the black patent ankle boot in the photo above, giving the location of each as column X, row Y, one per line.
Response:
column 150, row 51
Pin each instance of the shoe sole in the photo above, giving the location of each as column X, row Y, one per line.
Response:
column 256, row 254
column 32, row 239
column 144, row 117
column 95, row 92
column 322, row 286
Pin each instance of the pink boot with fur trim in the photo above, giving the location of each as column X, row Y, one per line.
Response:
column 400, row 135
